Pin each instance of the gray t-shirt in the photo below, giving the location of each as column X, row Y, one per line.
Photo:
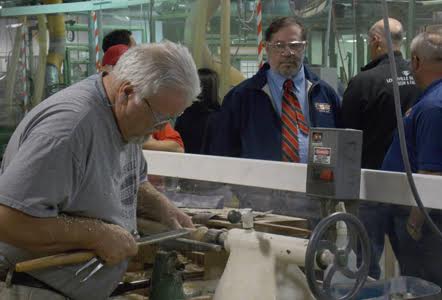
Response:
column 67, row 156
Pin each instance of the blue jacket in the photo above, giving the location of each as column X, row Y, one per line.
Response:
column 248, row 125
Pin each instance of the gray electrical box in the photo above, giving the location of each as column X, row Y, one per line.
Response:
column 334, row 163
column 329, row 75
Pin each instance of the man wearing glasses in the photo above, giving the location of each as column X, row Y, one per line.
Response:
column 73, row 176
column 116, row 44
column 269, row 115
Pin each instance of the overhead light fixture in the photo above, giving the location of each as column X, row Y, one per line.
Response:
column 122, row 19
column 15, row 25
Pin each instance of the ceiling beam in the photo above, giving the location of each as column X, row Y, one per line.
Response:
column 70, row 7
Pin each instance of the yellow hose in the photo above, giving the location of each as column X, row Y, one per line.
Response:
column 195, row 39
column 57, row 39
column 39, row 77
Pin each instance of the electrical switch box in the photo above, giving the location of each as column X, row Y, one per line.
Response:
column 334, row 163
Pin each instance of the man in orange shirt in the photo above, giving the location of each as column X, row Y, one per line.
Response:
column 165, row 139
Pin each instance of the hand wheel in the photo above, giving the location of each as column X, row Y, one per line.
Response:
column 318, row 245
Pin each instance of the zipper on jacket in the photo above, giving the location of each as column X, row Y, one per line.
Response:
column 310, row 103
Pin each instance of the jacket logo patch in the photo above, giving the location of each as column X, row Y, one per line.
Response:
column 406, row 79
column 323, row 107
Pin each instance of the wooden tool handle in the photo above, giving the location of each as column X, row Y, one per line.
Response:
column 54, row 260
column 72, row 258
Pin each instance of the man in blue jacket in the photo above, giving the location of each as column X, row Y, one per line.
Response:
column 269, row 115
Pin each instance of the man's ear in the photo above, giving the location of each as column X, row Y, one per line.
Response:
column 416, row 63
column 128, row 89
column 376, row 40
column 124, row 91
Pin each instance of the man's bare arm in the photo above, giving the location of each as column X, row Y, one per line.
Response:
column 162, row 145
column 155, row 206
column 416, row 219
column 54, row 235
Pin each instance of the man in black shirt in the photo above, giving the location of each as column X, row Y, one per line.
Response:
column 368, row 105
column 368, row 102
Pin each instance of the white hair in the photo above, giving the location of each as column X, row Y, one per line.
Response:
column 151, row 68
column 428, row 46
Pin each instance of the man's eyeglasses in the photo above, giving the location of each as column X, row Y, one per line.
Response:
column 159, row 119
column 293, row 46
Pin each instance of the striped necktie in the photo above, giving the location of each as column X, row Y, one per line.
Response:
column 292, row 121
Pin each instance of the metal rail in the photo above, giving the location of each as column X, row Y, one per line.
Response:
column 378, row 186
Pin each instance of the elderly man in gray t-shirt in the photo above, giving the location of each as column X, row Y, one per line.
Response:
column 73, row 171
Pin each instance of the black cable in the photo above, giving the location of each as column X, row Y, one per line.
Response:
column 400, row 125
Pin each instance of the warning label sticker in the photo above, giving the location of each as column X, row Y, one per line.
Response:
column 322, row 155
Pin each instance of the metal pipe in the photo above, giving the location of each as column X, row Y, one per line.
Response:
column 57, row 45
column 100, row 33
column 11, row 77
column 195, row 30
column 327, row 36
column 225, row 47
column 411, row 25
column 39, row 78
column 91, row 68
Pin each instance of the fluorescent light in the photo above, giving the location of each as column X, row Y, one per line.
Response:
column 14, row 25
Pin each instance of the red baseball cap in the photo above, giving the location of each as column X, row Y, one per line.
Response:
column 113, row 54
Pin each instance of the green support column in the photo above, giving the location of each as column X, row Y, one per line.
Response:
column 91, row 40
column 100, row 31
column 332, row 49
column 151, row 22
column 361, row 30
column 324, row 54
column 360, row 48
column 411, row 25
